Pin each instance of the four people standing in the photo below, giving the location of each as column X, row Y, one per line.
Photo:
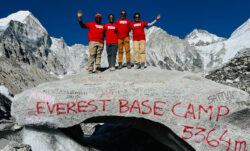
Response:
column 117, row 36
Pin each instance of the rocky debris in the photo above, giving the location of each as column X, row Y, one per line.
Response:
column 8, row 125
column 13, row 135
column 6, row 145
column 5, row 105
column 235, row 73
column 88, row 128
column 18, row 78
column 168, row 101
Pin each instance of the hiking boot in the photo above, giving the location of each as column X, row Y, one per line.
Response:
column 120, row 66
column 97, row 70
column 137, row 66
column 128, row 65
column 143, row 66
column 90, row 72
column 112, row 69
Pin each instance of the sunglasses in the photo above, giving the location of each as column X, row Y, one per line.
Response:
column 137, row 17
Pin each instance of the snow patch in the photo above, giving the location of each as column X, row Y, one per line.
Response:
column 5, row 91
column 202, row 37
column 18, row 16
column 241, row 30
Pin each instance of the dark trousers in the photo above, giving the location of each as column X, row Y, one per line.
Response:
column 111, row 52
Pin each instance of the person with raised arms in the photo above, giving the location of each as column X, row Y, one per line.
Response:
column 95, row 39
column 139, row 40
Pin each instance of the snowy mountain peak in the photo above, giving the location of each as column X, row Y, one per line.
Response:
column 18, row 16
column 202, row 37
column 23, row 16
column 153, row 29
column 245, row 27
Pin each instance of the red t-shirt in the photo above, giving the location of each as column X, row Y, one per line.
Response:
column 138, row 30
column 123, row 26
column 111, row 35
column 96, row 31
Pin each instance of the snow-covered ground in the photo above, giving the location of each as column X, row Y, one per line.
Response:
column 5, row 91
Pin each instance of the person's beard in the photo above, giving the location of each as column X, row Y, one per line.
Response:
column 123, row 16
column 98, row 20
column 111, row 21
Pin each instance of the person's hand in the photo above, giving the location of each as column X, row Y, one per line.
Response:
column 158, row 17
column 79, row 13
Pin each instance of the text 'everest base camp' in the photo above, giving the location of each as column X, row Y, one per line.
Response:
column 193, row 94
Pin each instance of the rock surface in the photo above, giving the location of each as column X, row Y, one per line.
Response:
column 235, row 73
column 6, row 145
column 183, row 102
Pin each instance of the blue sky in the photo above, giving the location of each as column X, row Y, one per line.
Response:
column 178, row 17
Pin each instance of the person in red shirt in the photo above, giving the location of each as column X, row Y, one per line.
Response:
column 111, row 41
column 139, row 40
column 123, row 26
column 95, row 39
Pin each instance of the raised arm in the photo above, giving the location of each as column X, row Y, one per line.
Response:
column 153, row 22
column 79, row 14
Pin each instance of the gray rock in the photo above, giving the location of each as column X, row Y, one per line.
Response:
column 28, row 43
column 233, row 70
column 5, row 104
column 6, row 145
column 18, row 78
column 175, row 100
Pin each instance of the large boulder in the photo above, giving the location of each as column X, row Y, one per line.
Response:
column 208, row 115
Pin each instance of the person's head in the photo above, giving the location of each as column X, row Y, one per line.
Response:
column 123, row 14
column 98, row 18
column 137, row 16
column 111, row 18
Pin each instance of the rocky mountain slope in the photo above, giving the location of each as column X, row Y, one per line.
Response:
column 217, row 54
column 236, row 72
